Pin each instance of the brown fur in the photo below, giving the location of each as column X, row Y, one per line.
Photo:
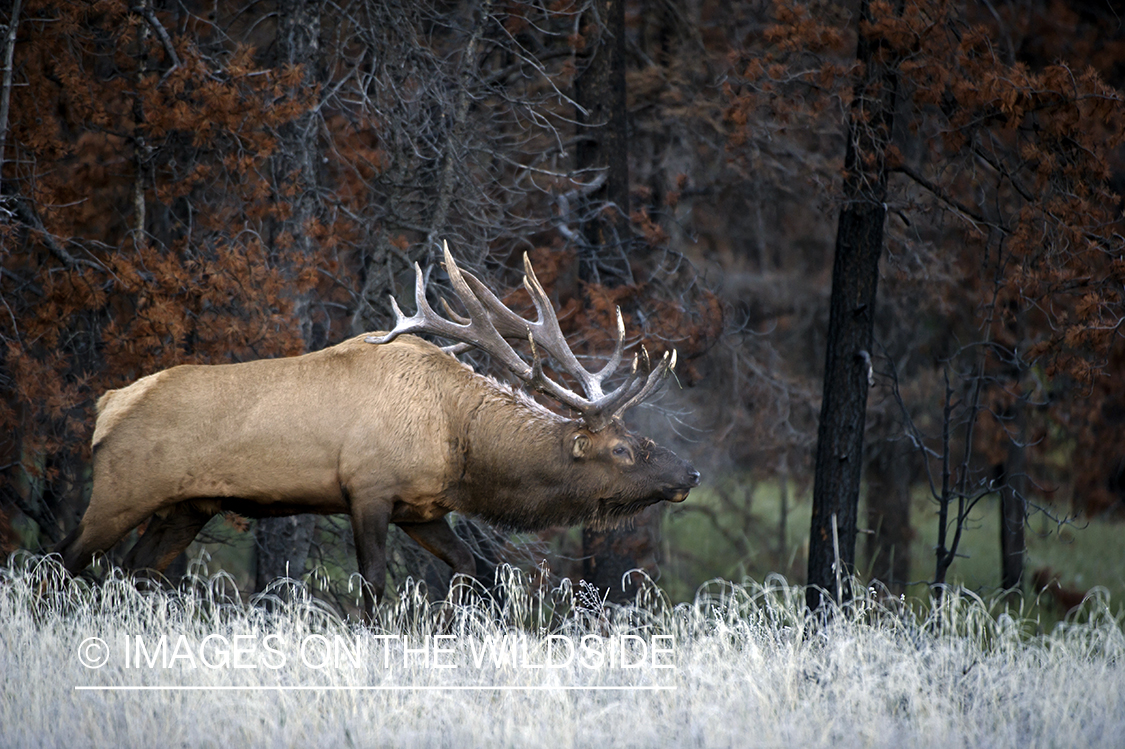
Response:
column 396, row 433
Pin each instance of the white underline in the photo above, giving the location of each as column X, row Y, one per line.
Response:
column 395, row 688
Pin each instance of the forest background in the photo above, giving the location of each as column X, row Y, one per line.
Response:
column 189, row 182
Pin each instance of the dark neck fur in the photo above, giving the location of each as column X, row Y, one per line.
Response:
column 518, row 473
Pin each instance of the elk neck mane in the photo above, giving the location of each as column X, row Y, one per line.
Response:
column 516, row 462
column 512, row 415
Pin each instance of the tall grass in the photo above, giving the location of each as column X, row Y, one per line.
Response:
column 750, row 669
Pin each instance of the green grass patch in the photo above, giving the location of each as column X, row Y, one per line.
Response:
column 733, row 530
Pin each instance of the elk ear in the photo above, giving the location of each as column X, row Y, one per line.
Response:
column 580, row 445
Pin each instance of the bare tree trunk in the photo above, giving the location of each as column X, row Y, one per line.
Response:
column 283, row 548
column 453, row 143
column 783, row 515
column 6, row 83
column 847, row 367
column 888, row 516
column 603, row 141
column 1013, row 504
column 142, row 151
column 607, row 556
column 283, row 543
column 603, row 138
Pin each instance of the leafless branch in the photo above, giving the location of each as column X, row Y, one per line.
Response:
column 165, row 40
column 945, row 197
column 29, row 218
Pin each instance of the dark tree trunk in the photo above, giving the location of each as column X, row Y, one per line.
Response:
column 607, row 556
column 283, row 543
column 603, row 136
column 847, row 366
column 1013, row 505
column 283, row 548
column 888, row 516
column 603, row 141
column 839, row 451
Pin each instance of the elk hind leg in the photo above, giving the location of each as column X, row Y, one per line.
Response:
column 439, row 539
column 166, row 538
column 98, row 531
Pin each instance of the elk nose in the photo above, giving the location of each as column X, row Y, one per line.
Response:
column 693, row 477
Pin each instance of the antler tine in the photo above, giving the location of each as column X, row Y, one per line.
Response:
column 404, row 324
column 547, row 331
column 651, row 384
column 453, row 315
column 618, row 348
column 478, row 330
column 601, row 407
column 486, row 310
column 512, row 326
column 550, row 332
column 466, row 330
column 490, row 322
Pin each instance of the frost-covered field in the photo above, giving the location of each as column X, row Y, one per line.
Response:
column 741, row 667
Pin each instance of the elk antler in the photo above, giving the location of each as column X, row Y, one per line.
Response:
column 490, row 322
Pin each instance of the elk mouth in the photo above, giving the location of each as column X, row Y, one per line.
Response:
column 680, row 493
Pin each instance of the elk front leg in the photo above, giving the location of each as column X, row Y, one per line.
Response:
column 369, row 528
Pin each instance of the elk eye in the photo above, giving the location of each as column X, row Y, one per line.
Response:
column 620, row 450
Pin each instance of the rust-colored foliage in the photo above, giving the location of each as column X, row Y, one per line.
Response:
column 147, row 222
column 1015, row 151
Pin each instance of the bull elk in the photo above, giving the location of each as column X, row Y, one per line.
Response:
column 400, row 432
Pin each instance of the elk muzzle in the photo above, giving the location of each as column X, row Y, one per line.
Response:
column 679, row 492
